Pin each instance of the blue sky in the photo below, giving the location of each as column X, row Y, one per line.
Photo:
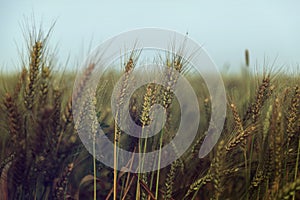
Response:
column 224, row 28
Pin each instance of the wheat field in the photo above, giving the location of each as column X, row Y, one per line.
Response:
column 42, row 157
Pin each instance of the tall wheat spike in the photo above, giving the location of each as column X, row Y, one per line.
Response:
column 34, row 67
column 129, row 67
column 60, row 188
column 217, row 169
column 292, row 114
column 278, row 138
column 148, row 101
column 262, row 94
column 14, row 121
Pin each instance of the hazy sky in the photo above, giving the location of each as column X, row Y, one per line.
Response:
column 225, row 28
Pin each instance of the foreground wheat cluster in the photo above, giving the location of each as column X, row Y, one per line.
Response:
column 257, row 156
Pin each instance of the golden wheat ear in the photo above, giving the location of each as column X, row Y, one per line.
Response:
column 44, row 84
column 62, row 183
column 20, row 84
column 293, row 111
column 34, row 69
column 14, row 121
column 289, row 190
column 263, row 92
